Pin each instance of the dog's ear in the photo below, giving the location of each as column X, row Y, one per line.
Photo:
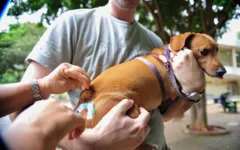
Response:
column 178, row 42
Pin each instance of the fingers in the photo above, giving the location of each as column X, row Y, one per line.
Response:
column 185, row 55
column 61, row 119
column 70, row 135
column 76, row 126
column 164, row 59
column 144, row 116
column 123, row 106
column 187, row 50
column 67, row 120
column 79, row 126
column 176, row 56
column 146, row 130
column 75, row 84
column 75, row 133
column 75, row 73
column 79, row 74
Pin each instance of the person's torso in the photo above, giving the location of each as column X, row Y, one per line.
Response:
column 104, row 41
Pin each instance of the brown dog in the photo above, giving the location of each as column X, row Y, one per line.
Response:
column 135, row 80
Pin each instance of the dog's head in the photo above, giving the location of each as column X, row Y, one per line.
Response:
column 205, row 50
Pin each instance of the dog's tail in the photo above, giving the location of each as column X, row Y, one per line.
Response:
column 85, row 96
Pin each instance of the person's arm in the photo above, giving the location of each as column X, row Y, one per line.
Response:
column 31, row 131
column 115, row 131
column 176, row 109
column 34, row 71
column 16, row 96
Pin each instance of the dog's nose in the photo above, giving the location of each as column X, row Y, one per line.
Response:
column 221, row 71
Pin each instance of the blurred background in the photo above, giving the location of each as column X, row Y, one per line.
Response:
column 26, row 21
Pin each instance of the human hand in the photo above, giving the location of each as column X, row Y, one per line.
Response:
column 187, row 70
column 115, row 131
column 44, row 124
column 64, row 78
column 124, row 133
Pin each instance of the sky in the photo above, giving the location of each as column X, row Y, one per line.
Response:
column 229, row 38
column 34, row 18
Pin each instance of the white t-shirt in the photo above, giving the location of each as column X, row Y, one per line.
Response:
column 95, row 41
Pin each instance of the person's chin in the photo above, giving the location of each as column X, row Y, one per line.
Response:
column 125, row 7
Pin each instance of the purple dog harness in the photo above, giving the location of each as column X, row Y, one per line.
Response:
column 157, row 74
column 170, row 75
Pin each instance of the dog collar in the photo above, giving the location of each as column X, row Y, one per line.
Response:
column 173, row 79
column 157, row 74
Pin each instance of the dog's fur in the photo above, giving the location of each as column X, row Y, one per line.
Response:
column 135, row 80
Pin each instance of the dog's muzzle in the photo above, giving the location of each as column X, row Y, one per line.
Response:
column 221, row 71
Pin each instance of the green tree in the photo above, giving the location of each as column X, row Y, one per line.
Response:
column 168, row 18
column 54, row 7
column 14, row 47
column 165, row 17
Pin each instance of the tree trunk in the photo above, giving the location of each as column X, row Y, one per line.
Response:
column 158, row 18
column 199, row 115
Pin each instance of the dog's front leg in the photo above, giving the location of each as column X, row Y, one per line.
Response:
column 176, row 109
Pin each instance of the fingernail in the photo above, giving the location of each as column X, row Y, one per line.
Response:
column 130, row 100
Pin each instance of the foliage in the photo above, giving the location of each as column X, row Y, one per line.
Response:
column 238, row 35
column 14, row 47
column 206, row 16
column 54, row 7
column 166, row 18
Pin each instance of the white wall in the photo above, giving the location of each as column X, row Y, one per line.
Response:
column 214, row 88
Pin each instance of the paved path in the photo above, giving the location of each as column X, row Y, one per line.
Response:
column 178, row 140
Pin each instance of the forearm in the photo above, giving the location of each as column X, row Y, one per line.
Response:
column 14, row 97
column 176, row 109
column 19, row 139
column 34, row 71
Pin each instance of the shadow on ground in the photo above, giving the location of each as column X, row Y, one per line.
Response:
column 178, row 140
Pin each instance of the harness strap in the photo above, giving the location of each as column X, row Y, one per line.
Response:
column 157, row 74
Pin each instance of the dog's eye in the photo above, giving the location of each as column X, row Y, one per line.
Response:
column 204, row 52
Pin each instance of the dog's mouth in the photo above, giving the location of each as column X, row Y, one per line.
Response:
column 220, row 76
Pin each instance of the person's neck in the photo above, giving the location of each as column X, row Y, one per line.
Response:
column 125, row 15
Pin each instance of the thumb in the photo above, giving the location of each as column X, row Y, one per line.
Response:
column 163, row 58
column 77, row 127
column 123, row 106
column 79, row 122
